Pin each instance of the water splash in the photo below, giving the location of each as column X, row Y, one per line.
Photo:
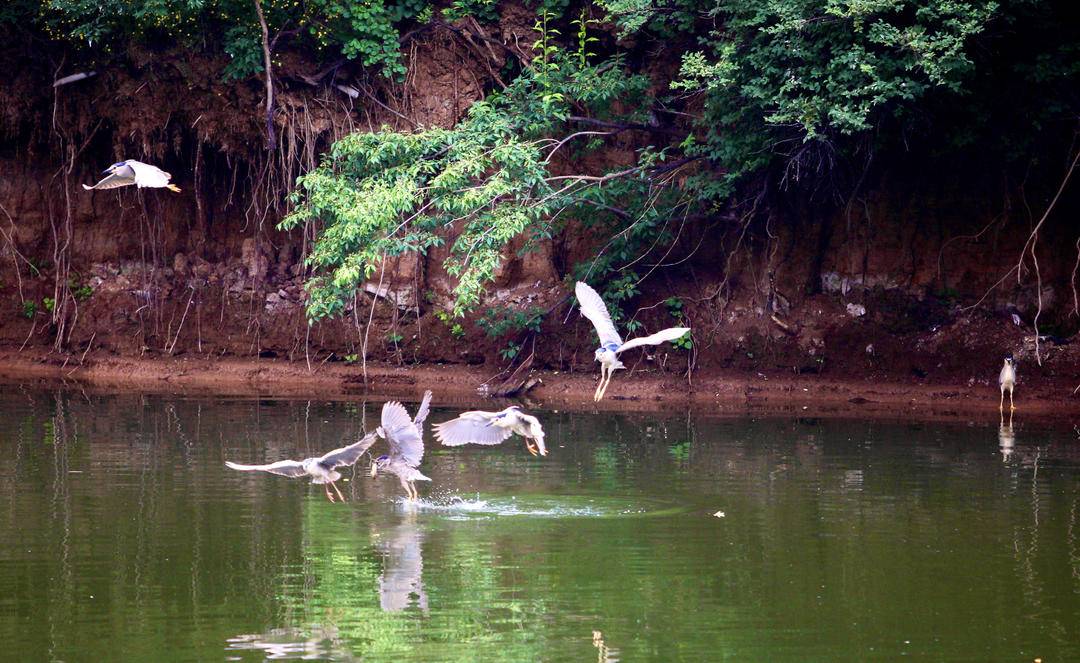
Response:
column 459, row 507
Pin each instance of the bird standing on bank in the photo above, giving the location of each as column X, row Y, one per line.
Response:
column 321, row 469
column 1007, row 380
column 405, row 436
column 489, row 428
column 611, row 344
column 130, row 171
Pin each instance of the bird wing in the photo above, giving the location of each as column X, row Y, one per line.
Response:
column 474, row 427
column 147, row 175
column 348, row 455
column 114, row 180
column 593, row 308
column 422, row 413
column 401, row 433
column 669, row 334
column 286, row 468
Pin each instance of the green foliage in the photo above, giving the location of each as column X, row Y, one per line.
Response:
column 80, row 292
column 48, row 303
column 383, row 194
column 583, row 23
column 456, row 330
column 29, row 309
column 674, row 307
column 394, row 337
column 365, row 31
column 498, row 322
column 781, row 73
column 684, row 342
column 483, row 10
column 510, row 351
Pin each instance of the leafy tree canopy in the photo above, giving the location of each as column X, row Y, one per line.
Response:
column 762, row 91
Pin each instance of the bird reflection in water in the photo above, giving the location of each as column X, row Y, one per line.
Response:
column 315, row 642
column 401, row 583
column 1006, row 438
column 604, row 654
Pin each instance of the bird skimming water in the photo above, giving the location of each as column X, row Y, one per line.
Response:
column 488, row 428
column 321, row 469
column 611, row 344
column 1007, row 380
column 405, row 436
column 142, row 175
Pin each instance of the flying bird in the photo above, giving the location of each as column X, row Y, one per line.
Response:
column 1007, row 380
column 321, row 469
column 405, row 436
column 488, row 428
column 611, row 344
column 142, row 175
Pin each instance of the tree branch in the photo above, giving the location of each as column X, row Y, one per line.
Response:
column 271, row 139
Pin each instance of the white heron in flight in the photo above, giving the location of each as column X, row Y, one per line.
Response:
column 321, row 469
column 489, row 428
column 405, row 435
column 611, row 344
column 142, row 175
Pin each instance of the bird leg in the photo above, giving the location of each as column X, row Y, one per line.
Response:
column 603, row 372
column 611, row 373
column 326, row 489
column 530, row 446
column 1011, row 406
column 336, row 490
column 1001, row 405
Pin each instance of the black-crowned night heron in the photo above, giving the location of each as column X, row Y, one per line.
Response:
column 611, row 344
column 488, row 428
column 1007, row 381
column 405, row 436
column 142, row 175
column 321, row 469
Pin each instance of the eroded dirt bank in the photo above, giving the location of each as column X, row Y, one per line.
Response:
column 776, row 394
column 899, row 296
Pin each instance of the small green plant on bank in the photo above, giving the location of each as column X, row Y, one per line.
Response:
column 394, row 337
column 675, row 307
column 29, row 309
column 683, row 343
column 352, row 358
column 49, row 304
column 511, row 351
column 81, row 292
column 456, row 330
column 499, row 322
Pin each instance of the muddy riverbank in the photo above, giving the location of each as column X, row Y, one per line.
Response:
column 721, row 394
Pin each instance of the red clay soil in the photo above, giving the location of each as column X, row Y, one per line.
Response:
column 718, row 394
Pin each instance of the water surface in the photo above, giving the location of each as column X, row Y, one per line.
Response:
column 126, row 538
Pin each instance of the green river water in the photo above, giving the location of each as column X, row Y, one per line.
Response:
column 125, row 538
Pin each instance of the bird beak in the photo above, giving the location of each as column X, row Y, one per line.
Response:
column 107, row 171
